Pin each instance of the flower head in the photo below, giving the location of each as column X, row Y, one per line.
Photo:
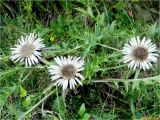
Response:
column 140, row 53
column 67, row 72
column 27, row 50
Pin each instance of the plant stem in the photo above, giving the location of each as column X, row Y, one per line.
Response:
column 109, row 47
column 58, row 101
column 137, row 74
column 64, row 93
column 36, row 105
column 48, row 88
column 129, row 80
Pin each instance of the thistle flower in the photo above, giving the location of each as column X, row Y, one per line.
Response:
column 140, row 53
column 67, row 72
column 27, row 50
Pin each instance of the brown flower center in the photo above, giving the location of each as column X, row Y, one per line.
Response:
column 68, row 71
column 27, row 50
column 140, row 53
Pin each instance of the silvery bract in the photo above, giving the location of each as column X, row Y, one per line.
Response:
column 67, row 72
column 140, row 53
column 28, row 50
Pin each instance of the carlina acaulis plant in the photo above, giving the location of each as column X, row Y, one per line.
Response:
column 68, row 71
column 28, row 50
column 140, row 54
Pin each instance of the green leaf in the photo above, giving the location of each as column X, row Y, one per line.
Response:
column 126, row 85
column 23, row 92
column 27, row 102
column 100, row 19
column 86, row 116
column 116, row 84
column 35, row 105
column 81, row 10
column 105, row 116
column 89, row 11
column 82, row 110
column 12, row 109
column 132, row 107
column 5, row 92
column 135, row 85
column 55, row 118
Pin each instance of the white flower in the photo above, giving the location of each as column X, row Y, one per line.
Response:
column 27, row 50
column 67, row 72
column 140, row 53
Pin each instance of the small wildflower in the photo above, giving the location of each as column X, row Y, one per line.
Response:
column 52, row 38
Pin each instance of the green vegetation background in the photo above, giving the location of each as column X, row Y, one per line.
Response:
column 94, row 30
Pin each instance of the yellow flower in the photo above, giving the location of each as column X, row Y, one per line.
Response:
column 52, row 38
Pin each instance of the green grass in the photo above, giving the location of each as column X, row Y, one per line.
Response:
column 94, row 30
